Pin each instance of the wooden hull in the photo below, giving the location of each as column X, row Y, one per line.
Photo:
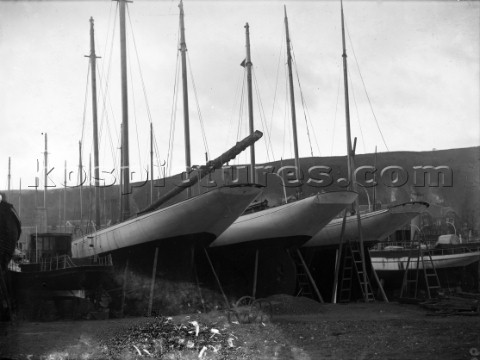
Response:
column 290, row 224
column 207, row 214
column 376, row 225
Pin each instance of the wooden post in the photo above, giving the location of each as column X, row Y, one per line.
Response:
column 152, row 284
column 124, row 287
column 255, row 274
column 338, row 259
column 310, row 277
column 217, row 279
column 380, row 287
column 197, row 281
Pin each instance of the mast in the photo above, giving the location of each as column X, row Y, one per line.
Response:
column 186, row 118
column 248, row 64
column 80, row 175
column 125, row 170
column 20, row 198
column 93, row 62
column 374, row 181
column 9, row 175
column 292, row 102
column 350, row 155
column 65, row 197
column 352, row 185
column 45, row 155
column 151, row 163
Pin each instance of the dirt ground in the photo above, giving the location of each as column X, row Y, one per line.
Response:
column 297, row 328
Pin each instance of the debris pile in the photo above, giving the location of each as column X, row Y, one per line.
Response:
column 286, row 304
column 460, row 303
column 162, row 338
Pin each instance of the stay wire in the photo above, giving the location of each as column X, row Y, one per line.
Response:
column 263, row 119
column 365, row 89
column 200, row 117
column 304, row 107
column 356, row 109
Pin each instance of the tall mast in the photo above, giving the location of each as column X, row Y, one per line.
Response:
column 80, row 178
column 125, row 198
column 9, row 174
column 65, row 196
column 183, row 50
column 248, row 64
column 350, row 165
column 93, row 62
column 20, row 198
column 292, row 101
column 350, row 155
column 45, row 154
column 151, row 163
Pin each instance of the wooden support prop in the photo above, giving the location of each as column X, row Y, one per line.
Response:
column 338, row 259
column 255, row 274
column 310, row 277
column 152, row 284
column 218, row 280
column 124, row 286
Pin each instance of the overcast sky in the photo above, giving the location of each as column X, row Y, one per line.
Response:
column 418, row 62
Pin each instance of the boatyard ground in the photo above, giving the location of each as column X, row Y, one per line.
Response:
column 298, row 328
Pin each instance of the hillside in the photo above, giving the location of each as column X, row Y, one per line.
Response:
column 459, row 188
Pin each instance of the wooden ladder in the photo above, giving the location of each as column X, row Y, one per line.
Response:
column 411, row 281
column 306, row 283
column 353, row 268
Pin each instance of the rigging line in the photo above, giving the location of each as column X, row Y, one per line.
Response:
column 263, row 118
column 173, row 117
column 276, row 84
column 85, row 104
column 106, row 97
column 234, row 107
column 200, row 117
column 365, row 89
column 336, row 110
column 356, row 109
column 302, row 98
column 242, row 105
column 285, row 112
column 132, row 93
column 105, row 116
column 139, row 68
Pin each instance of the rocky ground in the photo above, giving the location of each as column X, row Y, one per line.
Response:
column 285, row 328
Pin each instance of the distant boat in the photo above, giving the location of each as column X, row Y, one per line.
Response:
column 290, row 224
column 376, row 225
column 394, row 258
column 47, row 272
column 199, row 220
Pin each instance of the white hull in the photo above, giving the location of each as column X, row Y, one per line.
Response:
column 444, row 259
column 287, row 224
column 376, row 225
column 210, row 213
